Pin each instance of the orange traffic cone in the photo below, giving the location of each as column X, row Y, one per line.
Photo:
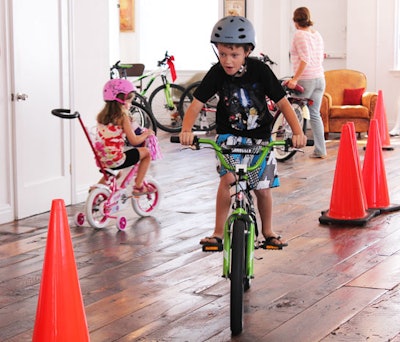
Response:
column 347, row 200
column 380, row 115
column 60, row 314
column 352, row 128
column 374, row 174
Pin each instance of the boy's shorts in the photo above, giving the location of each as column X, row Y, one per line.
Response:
column 262, row 178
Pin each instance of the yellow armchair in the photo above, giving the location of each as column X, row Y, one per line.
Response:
column 345, row 100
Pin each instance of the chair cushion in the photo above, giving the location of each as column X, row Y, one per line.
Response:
column 349, row 112
column 353, row 96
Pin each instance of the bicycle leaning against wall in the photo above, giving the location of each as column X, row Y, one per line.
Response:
column 140, row 112
column 205, row 121
column 164, row 100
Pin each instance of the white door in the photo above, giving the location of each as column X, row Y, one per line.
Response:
column 39, row 36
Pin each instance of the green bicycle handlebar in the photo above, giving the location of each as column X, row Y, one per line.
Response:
column 241, row 149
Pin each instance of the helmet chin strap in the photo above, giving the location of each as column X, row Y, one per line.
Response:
column 241, row 71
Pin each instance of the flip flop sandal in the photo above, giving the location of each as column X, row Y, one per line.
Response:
column 212, row 246
column 270, row 244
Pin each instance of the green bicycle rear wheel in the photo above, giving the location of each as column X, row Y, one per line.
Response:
column 167, row 116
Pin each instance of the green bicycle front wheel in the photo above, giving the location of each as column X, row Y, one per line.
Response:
column 167, row 114
column 238, row 275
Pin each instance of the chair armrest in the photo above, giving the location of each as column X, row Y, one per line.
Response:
column 326, row 104
column 369, row 100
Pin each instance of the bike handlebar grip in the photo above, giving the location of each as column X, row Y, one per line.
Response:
column 65, row 113
column 175, row 139
column 299, row 88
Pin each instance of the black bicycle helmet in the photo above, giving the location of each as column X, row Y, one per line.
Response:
column 234, row 30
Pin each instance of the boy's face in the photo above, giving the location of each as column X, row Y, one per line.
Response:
column 231, row 58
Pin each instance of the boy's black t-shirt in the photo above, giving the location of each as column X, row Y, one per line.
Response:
column 242, row 109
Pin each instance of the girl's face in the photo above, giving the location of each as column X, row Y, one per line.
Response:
column 231, row 58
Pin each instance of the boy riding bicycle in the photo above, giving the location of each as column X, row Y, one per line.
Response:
column 242, row 117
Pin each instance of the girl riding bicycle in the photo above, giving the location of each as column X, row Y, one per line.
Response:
column 242, row 117
column 114, row 127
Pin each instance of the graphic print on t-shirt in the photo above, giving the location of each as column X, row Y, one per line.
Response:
column 245, row 110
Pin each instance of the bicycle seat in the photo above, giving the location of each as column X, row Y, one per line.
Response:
column 136, row 69
column 112, row 172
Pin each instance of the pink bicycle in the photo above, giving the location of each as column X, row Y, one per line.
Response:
column 104, row 202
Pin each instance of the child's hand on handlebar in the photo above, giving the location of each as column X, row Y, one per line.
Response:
column 299, row 140
column 186, row 137
column 148, row 132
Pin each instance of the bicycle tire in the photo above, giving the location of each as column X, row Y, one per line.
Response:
column 142, row 100
column 167, row 119
column 145, row 205
column 281, row 131
column 238, row 274
column 206, row 118
column 143, row 116
column 95, row 207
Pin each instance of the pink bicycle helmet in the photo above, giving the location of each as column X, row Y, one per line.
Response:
column 117, row 86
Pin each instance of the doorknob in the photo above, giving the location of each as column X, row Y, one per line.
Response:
column 21, row 97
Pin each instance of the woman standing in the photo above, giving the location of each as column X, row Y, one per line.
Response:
column 307, row 55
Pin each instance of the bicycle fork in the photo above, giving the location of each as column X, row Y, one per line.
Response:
column 239, row 214
column 167, row 92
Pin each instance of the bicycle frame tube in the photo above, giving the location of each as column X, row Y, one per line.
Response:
column 152, row 75
column 152, row 78
column 129, row 176
column 167, row 92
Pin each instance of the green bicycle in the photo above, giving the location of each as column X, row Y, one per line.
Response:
column 240, row 230
column 164, row 99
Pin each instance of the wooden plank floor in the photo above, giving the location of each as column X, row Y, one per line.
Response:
column 153, row 283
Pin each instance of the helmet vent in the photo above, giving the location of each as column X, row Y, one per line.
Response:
column 233, row 30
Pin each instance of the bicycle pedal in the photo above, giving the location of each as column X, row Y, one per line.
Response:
column 273, row 247
column 212, row 248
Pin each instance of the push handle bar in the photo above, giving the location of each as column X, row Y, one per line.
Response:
column 65, row 113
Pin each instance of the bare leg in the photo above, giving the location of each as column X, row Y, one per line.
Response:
column 143, row 166
column 264, row 205
column 223, row 203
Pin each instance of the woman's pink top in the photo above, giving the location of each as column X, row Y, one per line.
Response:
column 308, row 47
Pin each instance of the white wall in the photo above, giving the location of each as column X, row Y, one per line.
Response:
column 92, row 41
column 161, row 27
column 6, row 176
